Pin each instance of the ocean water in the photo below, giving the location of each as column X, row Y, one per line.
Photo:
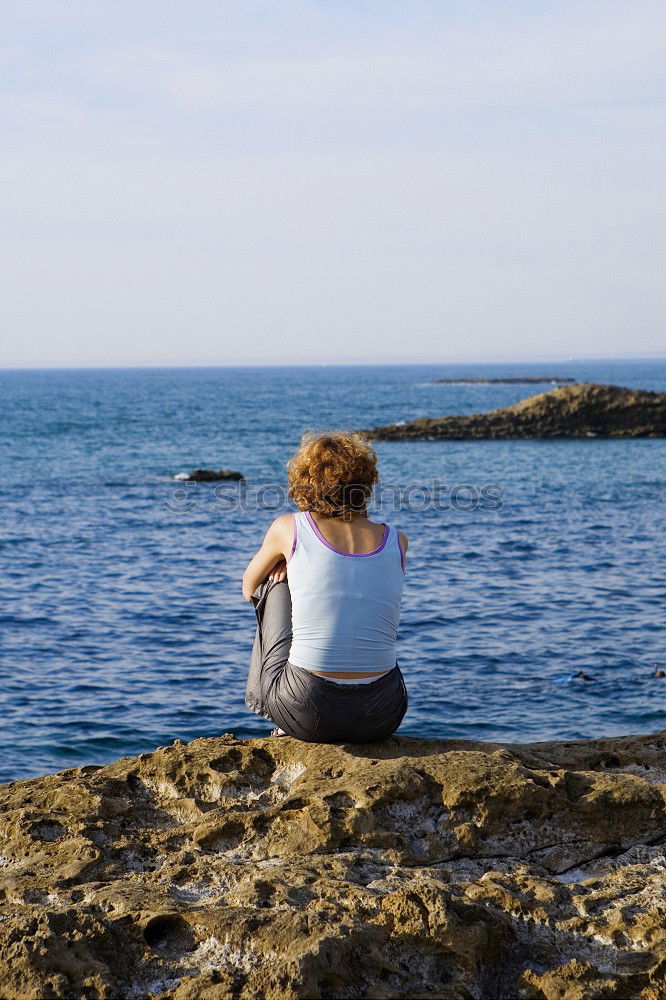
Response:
column 121, row 620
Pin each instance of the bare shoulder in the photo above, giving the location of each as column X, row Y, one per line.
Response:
column 283, row 521
column 404, row 541
column 282, row 527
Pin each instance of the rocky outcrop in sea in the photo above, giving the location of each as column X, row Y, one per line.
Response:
column 270, row 868
column 571, row 411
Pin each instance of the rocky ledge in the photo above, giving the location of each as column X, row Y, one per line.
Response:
column 571, row 411
column 270, row 868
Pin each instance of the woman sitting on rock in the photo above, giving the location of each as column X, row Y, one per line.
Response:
column 326, row 585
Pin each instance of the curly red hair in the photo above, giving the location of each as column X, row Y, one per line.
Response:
column 333, row 474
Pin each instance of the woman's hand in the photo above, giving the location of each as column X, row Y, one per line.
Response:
column 279, row 572
column 270, row 562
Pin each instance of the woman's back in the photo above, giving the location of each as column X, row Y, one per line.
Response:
column 357, row 536
column 346, row 591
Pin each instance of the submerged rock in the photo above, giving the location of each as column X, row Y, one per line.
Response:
column 209, row 475
column 517, row 380
column 572, row 411
column 279, row 869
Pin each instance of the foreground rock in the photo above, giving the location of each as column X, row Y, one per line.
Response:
column 272, row 868
column 572, row 411
column 517, row 380
column 209, row 475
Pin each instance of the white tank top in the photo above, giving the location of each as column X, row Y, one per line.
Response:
column 345, row 608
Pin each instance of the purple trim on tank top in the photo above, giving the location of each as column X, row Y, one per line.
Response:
column 293, row 544
column 352, row 555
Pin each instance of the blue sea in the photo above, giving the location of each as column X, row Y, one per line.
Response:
column 122, row 622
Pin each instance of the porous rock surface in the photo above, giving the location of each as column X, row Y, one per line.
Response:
column 278, row 869
column 570, row 411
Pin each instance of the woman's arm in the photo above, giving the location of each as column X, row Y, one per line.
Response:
column 275, row 548
column 404, row 543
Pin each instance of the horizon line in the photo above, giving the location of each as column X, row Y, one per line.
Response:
column 176, row 365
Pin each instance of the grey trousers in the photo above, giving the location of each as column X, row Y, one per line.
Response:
column 304, row 705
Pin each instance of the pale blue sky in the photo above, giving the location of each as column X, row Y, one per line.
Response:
column 245, row 182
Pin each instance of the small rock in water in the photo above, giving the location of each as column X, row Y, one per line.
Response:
column 209, row 475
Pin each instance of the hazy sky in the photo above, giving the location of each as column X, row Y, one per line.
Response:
column 234, row 181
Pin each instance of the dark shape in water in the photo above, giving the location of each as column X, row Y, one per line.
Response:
column 583, row 676
column 519, row 380
column 210, row 476
column 571, row 411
